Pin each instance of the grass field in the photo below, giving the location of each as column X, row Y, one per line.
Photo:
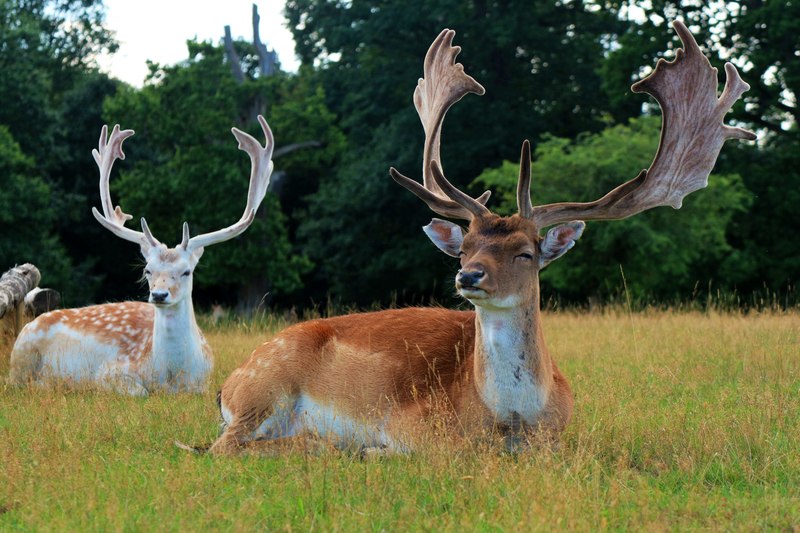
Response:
column 682, row 420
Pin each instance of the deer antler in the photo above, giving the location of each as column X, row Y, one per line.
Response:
column 692, row 135
column 109, row 149
column 113, row 219
column 261, row 170
column 444, row 84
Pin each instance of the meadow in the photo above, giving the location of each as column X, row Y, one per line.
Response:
column 683, row 420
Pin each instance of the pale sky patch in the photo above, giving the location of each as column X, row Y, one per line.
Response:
column 158, row 31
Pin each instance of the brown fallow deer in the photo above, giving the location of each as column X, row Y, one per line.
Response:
column 137, row 347
column 368, row 380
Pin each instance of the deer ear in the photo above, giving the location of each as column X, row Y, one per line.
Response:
column 197, row 254
column 559, row 240
column 144, row 248
column 445, row 235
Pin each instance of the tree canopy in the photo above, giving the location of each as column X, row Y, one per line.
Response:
column 52, row 97
column 334, row 225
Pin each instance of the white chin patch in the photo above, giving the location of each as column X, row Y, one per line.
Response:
column 473, row 294
column 497, row 303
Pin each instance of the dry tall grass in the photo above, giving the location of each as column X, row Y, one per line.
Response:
column 682, row 420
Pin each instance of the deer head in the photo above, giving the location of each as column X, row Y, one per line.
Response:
column 501, row 256
column 169, row 270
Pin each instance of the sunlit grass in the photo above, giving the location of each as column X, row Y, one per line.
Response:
column 682, row 420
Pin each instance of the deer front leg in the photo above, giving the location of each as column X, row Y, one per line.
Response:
column 196, row 383
column 238, row 434
column 249, row 406
column 115, row 379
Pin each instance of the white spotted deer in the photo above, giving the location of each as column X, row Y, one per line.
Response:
column 137, row 347
column 370, row 380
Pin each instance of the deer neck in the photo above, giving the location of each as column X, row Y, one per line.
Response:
column 513, row 370
column 176, row 337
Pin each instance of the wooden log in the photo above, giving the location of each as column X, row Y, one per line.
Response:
column 15, row 284
column 40, row 301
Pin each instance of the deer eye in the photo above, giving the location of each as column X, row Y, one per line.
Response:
column 147, row 272
column 525, row 256
column 187, row 273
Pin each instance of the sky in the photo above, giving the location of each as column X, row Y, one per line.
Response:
column 158, row 31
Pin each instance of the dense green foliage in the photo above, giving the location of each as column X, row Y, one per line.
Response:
column 569, row 73
column 52, row 100
column 761, row 38
column 46, row 47
column 334, row 225
column 25, row 208
column 540, row 76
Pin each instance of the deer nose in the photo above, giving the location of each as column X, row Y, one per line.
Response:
column 470, row 278
column 158, row 297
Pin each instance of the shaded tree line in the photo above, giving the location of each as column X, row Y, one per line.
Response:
column 335, row 225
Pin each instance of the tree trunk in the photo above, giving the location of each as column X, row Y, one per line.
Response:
column 267, row 61
column 233, row 57
column 40, row 301
column 254, row 293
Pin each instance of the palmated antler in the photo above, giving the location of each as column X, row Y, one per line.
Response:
column 444, row 84
column 113, row 219
column 260, row 172
column 692, row 135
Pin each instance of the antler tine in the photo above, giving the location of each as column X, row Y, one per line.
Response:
column 260, row 171
column 438, row 204
column 185, row 237
column 444, row 83
column 148, row 234
column 113, row 218
column 692, row 135
column 473, row 206
column 524, row 205
column 735, row 87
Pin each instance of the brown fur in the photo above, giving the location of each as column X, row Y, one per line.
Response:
column 126, row 324
column 411, row 364
column 367, row 362
column 493, row 244
column 129, row 325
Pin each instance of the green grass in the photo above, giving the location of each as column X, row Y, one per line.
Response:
column 682, row 421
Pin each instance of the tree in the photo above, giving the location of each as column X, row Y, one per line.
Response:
column 183, row 163
column 538, row 62
column 663, row 253
column 27, row 216
column 766, row 257
column 47, row 52
column 761, row 38
column 45, row 46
